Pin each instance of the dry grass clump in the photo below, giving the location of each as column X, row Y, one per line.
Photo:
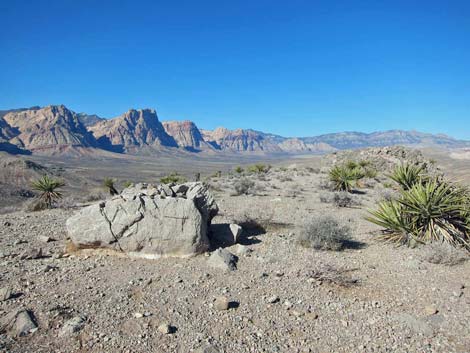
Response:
column 445, row 254
column 324, row 233
column 333, row 275
column 339, row 199
column 244, row 186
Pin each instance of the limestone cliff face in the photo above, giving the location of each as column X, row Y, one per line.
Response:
column 133, row 129
column 48, row 127
column 187, row 135
column 240, row 140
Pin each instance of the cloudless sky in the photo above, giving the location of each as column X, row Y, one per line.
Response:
column 295, row 68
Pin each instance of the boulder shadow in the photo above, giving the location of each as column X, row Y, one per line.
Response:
column 353, row 245
column 220, row 235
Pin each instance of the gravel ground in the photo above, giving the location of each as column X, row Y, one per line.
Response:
column 373, row 297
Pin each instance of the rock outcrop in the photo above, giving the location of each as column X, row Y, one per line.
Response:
column 50, row 127
column 134, row 129
column 187, row 135
column 149, row 222
column 240, row 140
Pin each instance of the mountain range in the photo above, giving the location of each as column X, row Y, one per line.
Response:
column 57, row 129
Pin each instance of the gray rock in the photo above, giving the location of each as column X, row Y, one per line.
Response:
column 18, row 323
column 164, row 328
column 72, row 326
column 5, row 294
column 236, row 232
column 223, row 260
column 31, row 254
column 273, row 299
column 207, row 349
column 222, row 303
column 142, row 226
column 45, row 238
column 242, row 250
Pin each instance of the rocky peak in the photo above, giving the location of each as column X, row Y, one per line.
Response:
column 186, row 134
column 240, row 140
column 49, row 127
column 135, row 128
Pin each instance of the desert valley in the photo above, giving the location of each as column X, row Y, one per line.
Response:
column 135, row 235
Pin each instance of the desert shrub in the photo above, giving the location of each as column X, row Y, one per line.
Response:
column 173, row 178
column 344, row 199
column 284, row 178
column 364, row 163
column 427, row 212
column 324, row 233
column 108, row 183
column 36, row 205
column 351, row 165
column 312, row 170
column 406, row 175
column 128, row 184
column 344, row 178
column 259, row 168
column 444, row 254
column 283, row 169
column 370, row 173
column 244, row 186
column 239, row 170
column 333, row 275
column 48, row 189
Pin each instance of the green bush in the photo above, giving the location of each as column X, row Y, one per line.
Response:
column 108, row 183
column 239, row 170
column 173, row 178
column 258, row 168
column 345, row 178
column 406, row 175
column 430, row 210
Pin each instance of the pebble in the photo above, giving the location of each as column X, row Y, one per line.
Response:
column 221, row 303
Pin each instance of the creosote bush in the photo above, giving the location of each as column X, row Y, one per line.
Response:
column 173, row 178
column 324, row 233
column 259, row 168
column 445, row 254
column 244, row 186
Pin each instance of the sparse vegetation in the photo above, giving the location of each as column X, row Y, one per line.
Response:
column 339, row 199
column 333, row 275
column 173, row 178
column 344, row 178
column 426, row 210
column 108, row 183
column 244, row 186
column 324, row 233
column 445, row 254
column 239, row 170
column 128, row 184
column 258, row 168
column 48, row 189
column 406, row 175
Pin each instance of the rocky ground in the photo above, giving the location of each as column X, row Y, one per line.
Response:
column 371, row 297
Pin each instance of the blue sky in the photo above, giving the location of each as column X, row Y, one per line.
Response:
column 295, row 68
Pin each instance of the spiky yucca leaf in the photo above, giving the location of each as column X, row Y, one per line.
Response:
column 48, row 188
column 108, row 183
column 407, row 175
column 437, row 212
column 344, row 178
column 391, row 216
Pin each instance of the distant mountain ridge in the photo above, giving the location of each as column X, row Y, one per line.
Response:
column 56, row 129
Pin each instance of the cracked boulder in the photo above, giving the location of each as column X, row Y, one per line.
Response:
column 144, row 221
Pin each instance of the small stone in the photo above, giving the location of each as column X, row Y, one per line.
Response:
column 5, row 294
column 164, row 328
column 223, row 260
column 31, row 254
column 222, row 303
column 236, row 231
column 207, row 349
column 72, row 326
column 242, row 250
column 273, row 299
column 18, row 323
column 431, row 310
column 138, row 315
column 45, row 238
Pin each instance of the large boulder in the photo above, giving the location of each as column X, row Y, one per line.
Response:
column 144, row 221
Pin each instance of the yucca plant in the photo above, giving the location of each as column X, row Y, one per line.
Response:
column 49, row 189
column 427, row 212
column 344, row 178
column 351, row 164
column 108, row 183
column 406, row 175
